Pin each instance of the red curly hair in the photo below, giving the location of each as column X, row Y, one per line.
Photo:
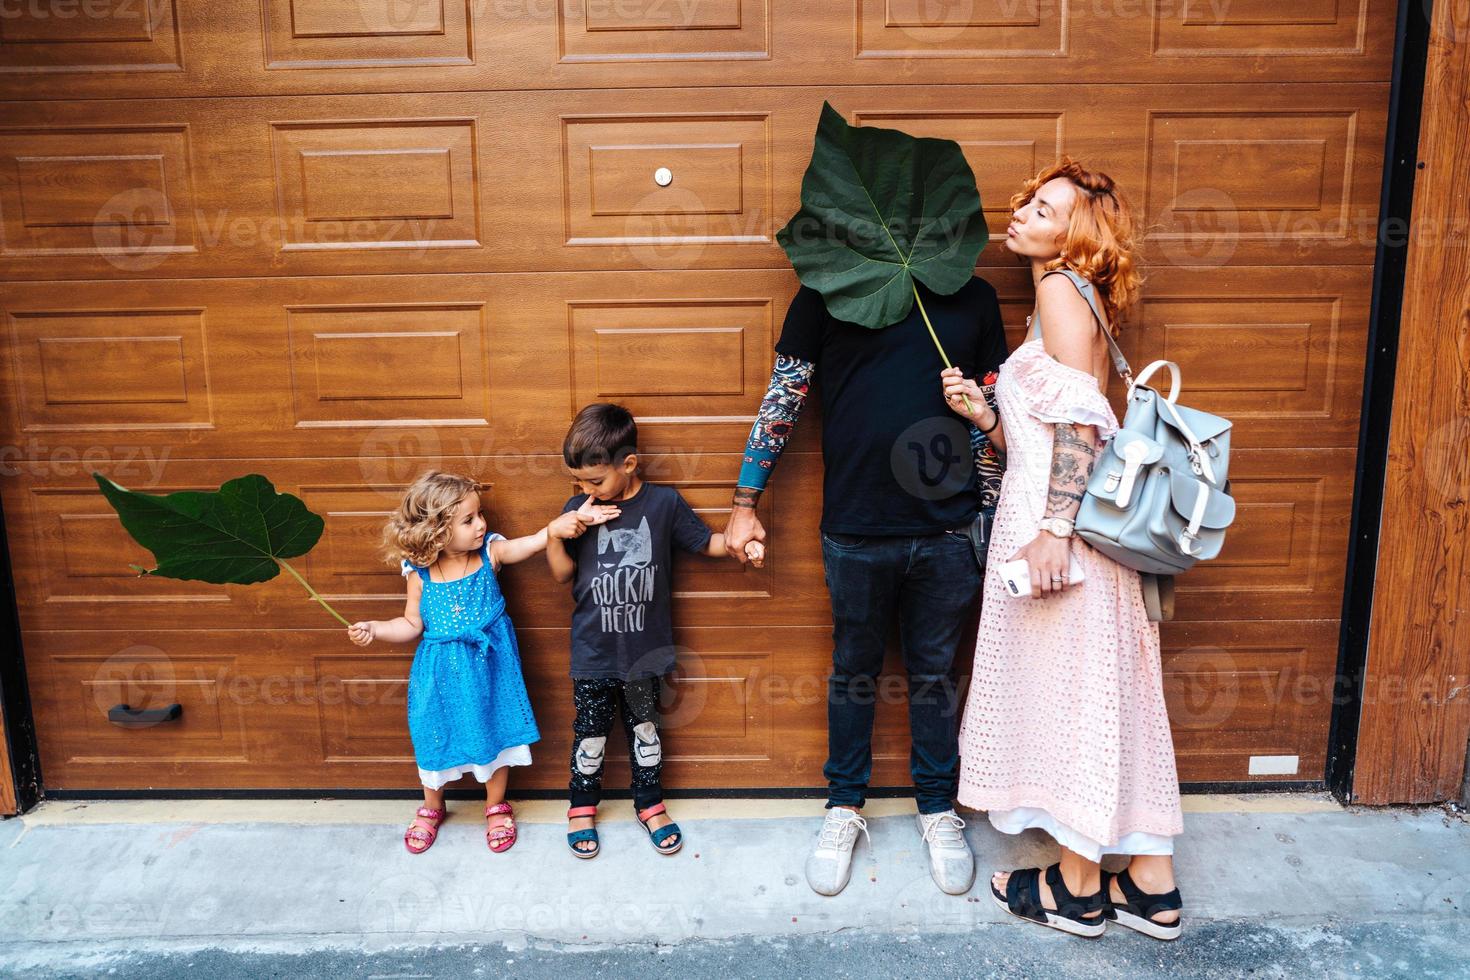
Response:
column 1099, row 244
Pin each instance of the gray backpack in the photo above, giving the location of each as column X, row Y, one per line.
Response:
column 1159, row 497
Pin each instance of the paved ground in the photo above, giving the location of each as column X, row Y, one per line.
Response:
column 1274, row 885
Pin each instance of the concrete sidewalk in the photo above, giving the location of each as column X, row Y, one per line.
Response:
column 1272, row 883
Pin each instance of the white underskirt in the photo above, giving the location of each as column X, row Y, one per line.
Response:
column 1034, row 818
column 516, row 755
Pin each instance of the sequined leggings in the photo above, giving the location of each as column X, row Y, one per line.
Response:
column 597, row 700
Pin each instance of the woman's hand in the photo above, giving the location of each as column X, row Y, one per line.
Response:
column 957, row 388
column 362, row 633
column 1050, row 558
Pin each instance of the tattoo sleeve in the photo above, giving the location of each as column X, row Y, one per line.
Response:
column 785, row 398
column 990, row 462
column 1072, row 458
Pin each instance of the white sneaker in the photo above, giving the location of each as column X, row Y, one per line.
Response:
column 951, row 864
column 830, row 864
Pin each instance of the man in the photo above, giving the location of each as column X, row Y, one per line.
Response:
column 899, row 496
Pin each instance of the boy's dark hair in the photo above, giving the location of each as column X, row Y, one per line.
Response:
column 601, row 435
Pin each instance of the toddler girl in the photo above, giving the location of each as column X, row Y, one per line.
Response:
column 467, row 706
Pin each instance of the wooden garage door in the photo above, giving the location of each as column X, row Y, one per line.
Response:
column 337, row 242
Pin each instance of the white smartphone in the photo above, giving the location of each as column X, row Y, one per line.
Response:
column 1017, row 576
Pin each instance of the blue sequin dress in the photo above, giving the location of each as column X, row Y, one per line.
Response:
column 468, row 711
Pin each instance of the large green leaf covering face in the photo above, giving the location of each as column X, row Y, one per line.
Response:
column 880, row 209
column 233, row 535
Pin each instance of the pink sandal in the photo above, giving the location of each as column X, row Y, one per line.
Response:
column 418, row 833
column 502, row 837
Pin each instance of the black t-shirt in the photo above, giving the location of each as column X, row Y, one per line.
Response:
column 622, row 626
column 897, row 460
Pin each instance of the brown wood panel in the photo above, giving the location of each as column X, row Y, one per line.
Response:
column 1226, row 175
column 187, row 48
column 338, row 243
column 237, row 347
column 8, row 804
column 273, row 708
column 315, row 367
column 71, row 554
column 1415, row 715
column 1250, row 700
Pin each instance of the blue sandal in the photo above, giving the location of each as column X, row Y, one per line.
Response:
column 660, row 836
column 576, row 837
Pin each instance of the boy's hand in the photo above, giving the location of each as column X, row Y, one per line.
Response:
column 567, row 526
column 756, row 552
column 592, row 514
column 362, row 633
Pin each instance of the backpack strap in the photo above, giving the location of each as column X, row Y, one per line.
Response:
column 1089, row 293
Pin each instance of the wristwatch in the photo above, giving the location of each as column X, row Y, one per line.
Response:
column 1059, row 526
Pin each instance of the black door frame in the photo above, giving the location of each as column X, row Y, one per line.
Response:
column 1401, row 151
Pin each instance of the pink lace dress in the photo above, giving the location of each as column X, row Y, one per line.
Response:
column 1065, row 728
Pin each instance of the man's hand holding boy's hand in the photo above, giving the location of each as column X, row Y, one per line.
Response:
column 744, row 528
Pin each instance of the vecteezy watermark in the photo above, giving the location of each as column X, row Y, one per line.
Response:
column 392, row 456
column 1205, row 226
column 931, row 459
column 145, row 678
column 415, row 903
column 936, row 21
column 668, row 228
column 135, row 466
column 139, row 229
column 607, row 14
column 1449, row 19
column 74, row 10
column 135, row 229
column 1445, row 463
column 140, row 676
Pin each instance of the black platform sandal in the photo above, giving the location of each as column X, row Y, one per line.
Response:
column 1080, row 916
column 1138, row 911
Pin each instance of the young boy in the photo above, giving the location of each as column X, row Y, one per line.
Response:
column 622, row 635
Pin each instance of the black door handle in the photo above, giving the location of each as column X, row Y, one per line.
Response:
column 122, row 714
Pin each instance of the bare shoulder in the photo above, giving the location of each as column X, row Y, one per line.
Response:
column 1061, row 303
column 1067, row 324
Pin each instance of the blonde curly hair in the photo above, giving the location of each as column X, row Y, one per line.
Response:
column 1099, row 245
column 420, row 527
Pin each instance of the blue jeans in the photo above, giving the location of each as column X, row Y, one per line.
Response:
column 930, row 584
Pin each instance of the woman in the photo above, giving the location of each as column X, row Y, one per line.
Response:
column 1065, row 728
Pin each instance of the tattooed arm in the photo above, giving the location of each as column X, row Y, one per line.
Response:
column 990, row 459
column 1068, row 335
column 1073, row 454
column 785, row 398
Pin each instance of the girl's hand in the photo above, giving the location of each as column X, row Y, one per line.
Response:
column 1050, row 558
column 362, row 633
column 592, row 514
column 567, row 526
column 755, row 551
column 957, row 388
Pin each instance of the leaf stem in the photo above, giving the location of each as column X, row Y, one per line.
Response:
column 307, row 585
column 943, row 356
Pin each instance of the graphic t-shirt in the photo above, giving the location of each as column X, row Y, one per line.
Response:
column 622, row 627
column 896, row 459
